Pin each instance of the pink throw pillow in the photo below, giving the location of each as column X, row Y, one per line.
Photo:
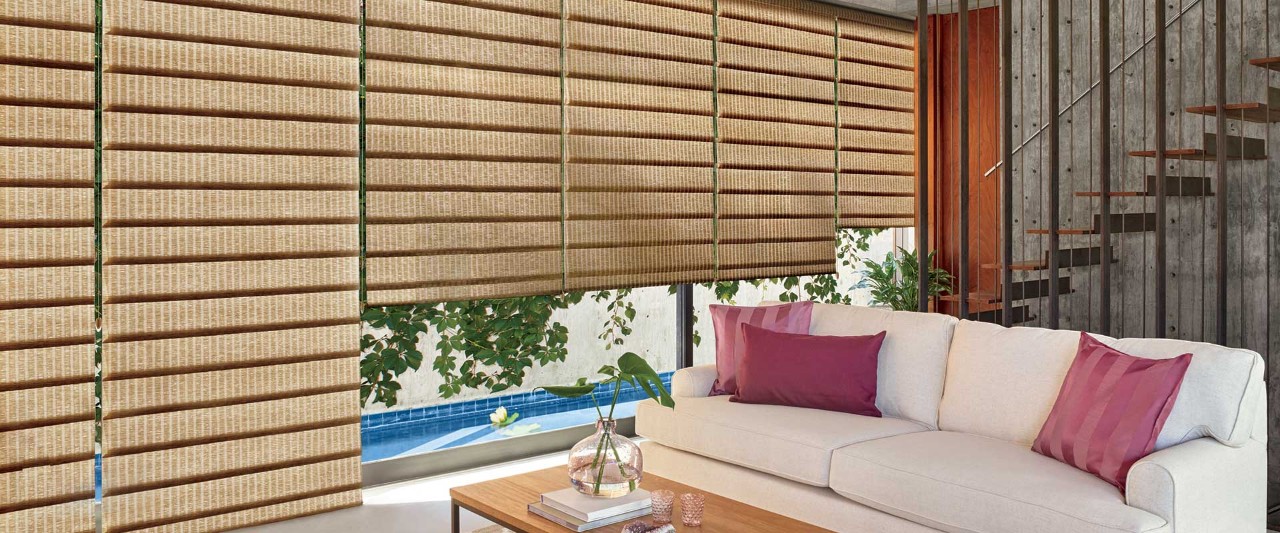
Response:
column 1110, row 410
column 817, row 372
column 726, row 321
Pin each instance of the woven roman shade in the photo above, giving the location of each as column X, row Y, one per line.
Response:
column 46, row 265
column 463, row 150
column 231, row 262
column 639, row 145
column 777, row 132
column 877, row 122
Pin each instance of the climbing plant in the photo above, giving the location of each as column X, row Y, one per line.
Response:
column 488, row 344
column 492, row 344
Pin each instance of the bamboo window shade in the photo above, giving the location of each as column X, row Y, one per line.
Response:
column 877, row 122
column 777, row 140
column 463, row 154
column 230, row 247
column 640, row 155
column 46, row 265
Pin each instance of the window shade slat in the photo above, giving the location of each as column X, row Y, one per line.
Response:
column 463, row 138
column 639, row 148
column 230, row 207
column 877, row 141
column 46, row 265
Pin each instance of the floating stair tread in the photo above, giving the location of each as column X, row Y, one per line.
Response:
column 1113, row 194
column 1248, row 112
column 1064, row 231
column 1191, row 186
column 1261, row 112
column 1272, row 63
column 1067, row 258
column 981, row 301
column 1245, row 148
column 1194, row 154
column 1021, row 315
column 1037, row 264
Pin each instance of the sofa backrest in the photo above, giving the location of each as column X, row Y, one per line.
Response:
column 1002, row 383
column 913, row 358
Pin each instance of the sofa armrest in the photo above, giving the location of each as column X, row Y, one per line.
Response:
column 693, row 382
column 1203, row 486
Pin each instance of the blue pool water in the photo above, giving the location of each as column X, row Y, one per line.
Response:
column 425, row 429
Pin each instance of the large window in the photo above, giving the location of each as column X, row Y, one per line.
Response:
column 441, row 376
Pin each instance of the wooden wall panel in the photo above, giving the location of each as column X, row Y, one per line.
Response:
column 230, row 262
column 46, row 265
column 639, row 169
column 463, row 128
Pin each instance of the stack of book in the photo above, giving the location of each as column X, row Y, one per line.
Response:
column 580, row 512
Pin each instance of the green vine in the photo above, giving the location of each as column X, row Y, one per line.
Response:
column 488, row 344
column 492, row 344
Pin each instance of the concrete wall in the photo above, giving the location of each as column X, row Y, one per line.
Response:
column 1252, row 200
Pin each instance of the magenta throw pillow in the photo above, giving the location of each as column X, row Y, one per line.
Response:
column 727, row 320
column 813, row 371
column 1110, row 409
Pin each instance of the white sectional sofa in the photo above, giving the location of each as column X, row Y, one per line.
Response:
column 963, row 401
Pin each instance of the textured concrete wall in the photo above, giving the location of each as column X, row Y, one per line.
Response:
column 1253, row 194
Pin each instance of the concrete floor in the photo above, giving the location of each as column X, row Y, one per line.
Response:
column 419, row 506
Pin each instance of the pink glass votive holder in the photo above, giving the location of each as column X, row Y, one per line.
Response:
column 691, row 506
column 662, row 503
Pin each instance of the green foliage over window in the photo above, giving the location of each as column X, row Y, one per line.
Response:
column 486, row 344
column 492, row 344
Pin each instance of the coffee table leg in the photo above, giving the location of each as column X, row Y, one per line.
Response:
column 453, row 513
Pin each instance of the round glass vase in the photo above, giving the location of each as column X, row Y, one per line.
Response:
column 606, row 464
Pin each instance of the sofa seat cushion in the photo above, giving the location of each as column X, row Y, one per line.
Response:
column 789, row 442
column 968, row 483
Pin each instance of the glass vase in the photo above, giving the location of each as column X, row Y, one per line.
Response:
column 606, row 464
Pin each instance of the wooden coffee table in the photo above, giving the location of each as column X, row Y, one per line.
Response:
column 505, row 502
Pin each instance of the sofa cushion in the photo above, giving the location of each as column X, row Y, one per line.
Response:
column 913, row 358
column 1002, row 382
column 968, row 483
column 1110, row 409
column 824, row 372
column 1219, row 397
column 788, row 442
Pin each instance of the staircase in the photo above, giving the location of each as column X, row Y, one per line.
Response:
column 987, row 307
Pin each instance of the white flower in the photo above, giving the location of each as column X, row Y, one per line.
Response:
column 498, row 416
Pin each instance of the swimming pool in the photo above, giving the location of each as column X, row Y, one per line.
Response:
column 438, row 427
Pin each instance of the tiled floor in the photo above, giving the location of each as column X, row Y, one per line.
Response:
column 420, row 506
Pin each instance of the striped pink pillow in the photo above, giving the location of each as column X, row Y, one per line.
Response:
column 1110, row 410
column 727, row 322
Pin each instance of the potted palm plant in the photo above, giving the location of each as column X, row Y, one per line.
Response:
column 606, row 464
column 896, row 281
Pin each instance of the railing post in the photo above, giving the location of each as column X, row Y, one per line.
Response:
column 1006, row 161
column 922, row 150
column 963, row 88
column 1220, row 88
column 1162, row 118
column 1104, row 167
column 684, row 326
column 1055, row 158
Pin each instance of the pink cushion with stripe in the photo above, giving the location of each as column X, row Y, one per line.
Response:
column 1110, row 409
column 727, row 321
column 812, row 371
